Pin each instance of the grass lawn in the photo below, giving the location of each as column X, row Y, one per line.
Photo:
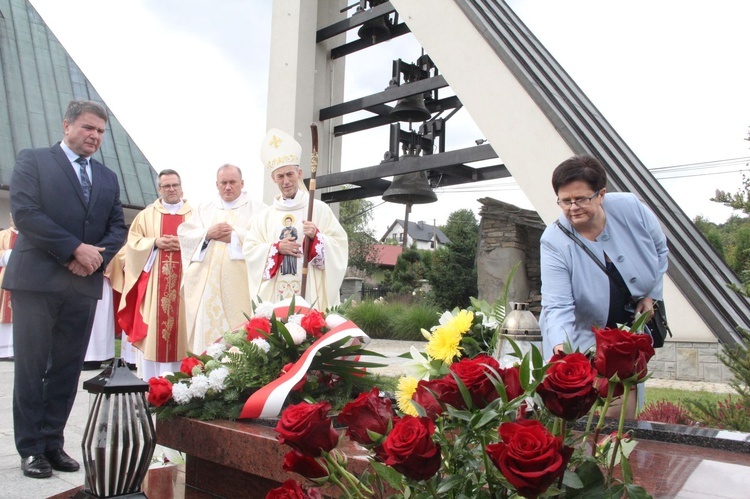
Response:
column 676, row 396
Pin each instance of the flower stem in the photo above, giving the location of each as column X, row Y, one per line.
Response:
column 487, row 467
column 563, row 429
column 433, row 490
column 610, row 394
column 350, row 479
column 620, row 426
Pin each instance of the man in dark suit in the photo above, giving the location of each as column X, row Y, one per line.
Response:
column 67, row 208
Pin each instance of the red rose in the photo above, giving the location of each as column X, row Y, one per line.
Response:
column 529, row 456
column 301, row 383
column 424, row 395
column 314, row 322
column 602, row 388
column 159, row 391
column 291, row 490
column 254, row 326
column 474, row 374
column 568, row 388
column 409, row 448
column 512, row 380
column 307, row 428
column 622, row 353
column 188, row 364
column 308, row 467
column 369, row 412
column 433, row 394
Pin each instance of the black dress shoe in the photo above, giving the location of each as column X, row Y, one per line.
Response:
column 36, row 466
column 61, row 461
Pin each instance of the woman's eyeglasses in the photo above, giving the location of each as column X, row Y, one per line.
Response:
column 580, row 202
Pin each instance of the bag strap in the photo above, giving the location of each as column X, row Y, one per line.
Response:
column 593, row 257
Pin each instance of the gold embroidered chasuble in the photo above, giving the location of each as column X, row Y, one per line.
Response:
column 272, row 282
column 215, row 278
column 154, row 290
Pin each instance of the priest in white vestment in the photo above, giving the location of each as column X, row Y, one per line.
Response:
column 151, row 312
column 274, row 245
column 215, row 277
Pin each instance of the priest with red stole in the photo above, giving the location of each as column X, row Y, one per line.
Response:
column 151, row 311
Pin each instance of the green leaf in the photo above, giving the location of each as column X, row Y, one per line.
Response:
column 450, row 483
column 592, row 479
column 636, row 492
column 391, row 476
column 570, row 479
column 627, row 471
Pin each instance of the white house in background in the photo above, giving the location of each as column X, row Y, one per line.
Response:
column 426, row 236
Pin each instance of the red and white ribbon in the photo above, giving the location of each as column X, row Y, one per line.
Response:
column 269, row 400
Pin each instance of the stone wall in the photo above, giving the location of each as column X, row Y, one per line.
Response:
column 509, row 234
column 690, row 361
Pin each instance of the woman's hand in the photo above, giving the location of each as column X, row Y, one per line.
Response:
column 645, row 306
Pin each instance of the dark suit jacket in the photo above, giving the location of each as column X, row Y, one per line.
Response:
column 52, row 217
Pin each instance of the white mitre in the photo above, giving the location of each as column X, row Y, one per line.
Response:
column 279, row 149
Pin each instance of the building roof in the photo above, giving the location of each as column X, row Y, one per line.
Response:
column 38, row 79
column 387, row 254
column 419, row 231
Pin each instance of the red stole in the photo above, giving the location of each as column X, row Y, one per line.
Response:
column 167, row 269
column 6, row 312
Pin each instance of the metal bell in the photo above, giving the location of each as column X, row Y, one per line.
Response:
column 412, row 188
column 375, row 30
column 411, row 109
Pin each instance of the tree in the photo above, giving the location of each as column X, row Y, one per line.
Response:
column 354, row 217
column 411, row 266
column 454, row 276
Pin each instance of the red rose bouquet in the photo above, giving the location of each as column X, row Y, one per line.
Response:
column 468, row 427
column 286, row 353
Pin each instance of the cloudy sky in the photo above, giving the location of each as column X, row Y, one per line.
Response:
column 188, row 79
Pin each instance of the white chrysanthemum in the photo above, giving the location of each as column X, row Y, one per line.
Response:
column 295, row 319
column 297, row 333
column 265, row 309
column 216, row 378
column 445, row 317
column 216, row 349
column 226, row 359
column 262, row 344
column 199, row 386
column 181, row 393
column 234, row 350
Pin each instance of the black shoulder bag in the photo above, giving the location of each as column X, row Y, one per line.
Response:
column 658, row 324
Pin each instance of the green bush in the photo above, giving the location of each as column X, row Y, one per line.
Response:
column 394, row 321
column 407, row 324
column 372, row 318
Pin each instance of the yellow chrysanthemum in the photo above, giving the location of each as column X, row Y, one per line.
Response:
column 445, row 344
column 404, row 391
column 463, row 320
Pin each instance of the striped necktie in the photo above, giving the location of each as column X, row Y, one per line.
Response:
column 85, row 181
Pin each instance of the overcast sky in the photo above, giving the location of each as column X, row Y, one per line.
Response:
column 188, row 80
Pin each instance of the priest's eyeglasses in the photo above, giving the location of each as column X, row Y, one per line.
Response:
column 167, row 187
column 580, row 202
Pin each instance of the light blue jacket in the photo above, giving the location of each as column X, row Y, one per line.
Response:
column 575, row 290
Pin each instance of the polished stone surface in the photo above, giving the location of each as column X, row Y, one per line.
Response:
column 231, row 458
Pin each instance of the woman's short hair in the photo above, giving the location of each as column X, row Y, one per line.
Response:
column 582, row 168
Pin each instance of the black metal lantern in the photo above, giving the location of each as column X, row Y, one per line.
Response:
column 120, row 438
